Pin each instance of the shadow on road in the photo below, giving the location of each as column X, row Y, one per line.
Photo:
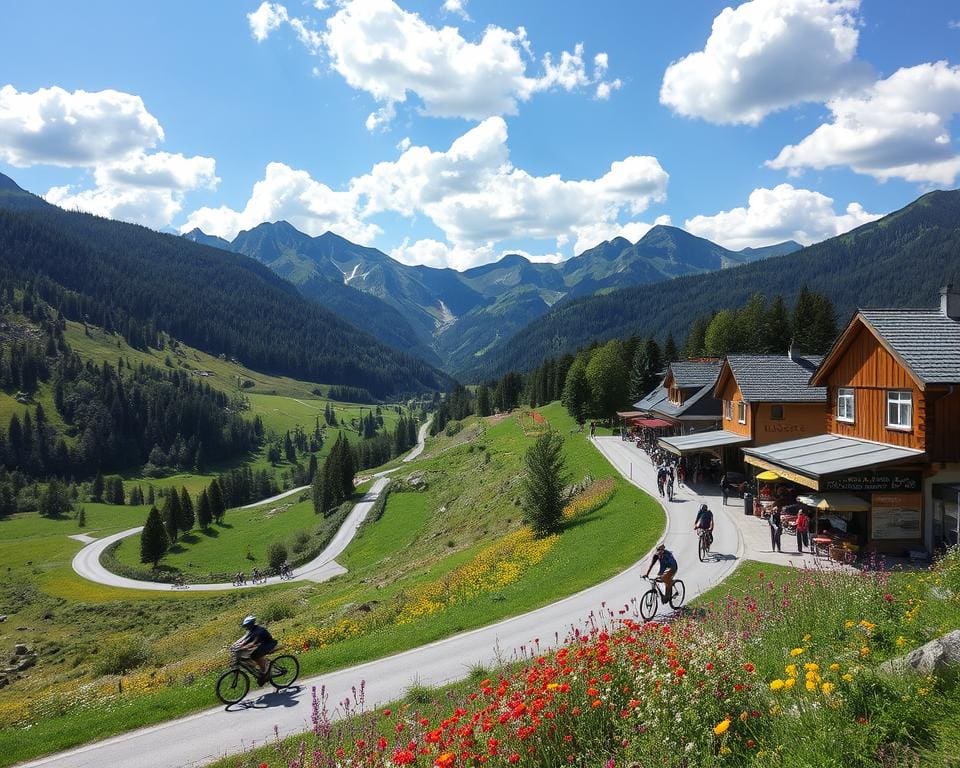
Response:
column 720, row 557
column 288, row 697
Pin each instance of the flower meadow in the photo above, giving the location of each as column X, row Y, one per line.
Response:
column 786, row 674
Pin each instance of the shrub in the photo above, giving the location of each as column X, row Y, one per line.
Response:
column 277, row 555
column 301, row 541
column 278, row 610
column 453, row 428
column 122, row 654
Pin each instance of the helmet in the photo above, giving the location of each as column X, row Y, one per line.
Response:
column 661, row 547
column 703, row 507
column 248, row 621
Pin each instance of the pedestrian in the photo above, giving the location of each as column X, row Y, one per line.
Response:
column 681, row 473
column 803, row 530
column 593, row 428
column 670, row 488
column 776, row 529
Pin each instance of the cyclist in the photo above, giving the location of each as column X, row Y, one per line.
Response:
column 704, row 522
column 668, row 569
column 256, row 644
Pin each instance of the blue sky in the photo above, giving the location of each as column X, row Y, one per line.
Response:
column 438, row 132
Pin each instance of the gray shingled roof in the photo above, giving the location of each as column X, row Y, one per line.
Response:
column 777, row 378
column 653, row 399
column 926, row 340
column 694, row 374
column 701, row 403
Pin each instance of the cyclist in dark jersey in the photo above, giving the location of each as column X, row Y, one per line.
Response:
column 668, row 569
column 258, row 642
column 704, row 522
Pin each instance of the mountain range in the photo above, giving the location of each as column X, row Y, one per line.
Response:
column 452, row 318
column 900, row 260
column 143, row 284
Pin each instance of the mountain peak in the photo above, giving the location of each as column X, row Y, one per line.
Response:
column 9, row 185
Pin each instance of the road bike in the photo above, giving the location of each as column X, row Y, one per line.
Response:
column 652, row 598
column 234, row 684
column 703, row 546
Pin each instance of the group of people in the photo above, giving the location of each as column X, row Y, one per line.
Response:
column 285, row 571
column 670, row 473
column 802, row 528
column 666, row 560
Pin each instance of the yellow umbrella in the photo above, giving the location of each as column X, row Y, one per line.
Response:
column 768, row 475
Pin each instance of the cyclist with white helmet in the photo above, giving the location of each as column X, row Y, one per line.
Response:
column 256, row 643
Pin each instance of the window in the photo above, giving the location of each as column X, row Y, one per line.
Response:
column 776, row 413
column 742, row 412
column 845, row 404
column 900, row 409
column 728, row 410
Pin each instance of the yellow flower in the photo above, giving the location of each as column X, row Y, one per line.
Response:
column 901, row 641
column 552, row 686
column 811, row 667
column 834, row 667
column 812, row 676
column 849, row 624
column 791, row 669
column 796, row 652
column 725, row 750
column 827, row 688
column 865, row 651
column 811, row 686
column 789, row 683
column 776, row 685
column 848, row 678
column 807, row 638
column 721, row 727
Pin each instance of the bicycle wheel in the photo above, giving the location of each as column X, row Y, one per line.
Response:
column 283, row 671
column 679, row 592
column 702, row 548
column 648, row 604
column 232, row 686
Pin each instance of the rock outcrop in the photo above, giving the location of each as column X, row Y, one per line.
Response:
column 939, row 657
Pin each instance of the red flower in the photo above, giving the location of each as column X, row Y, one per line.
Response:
column 749, row 667
column 514, row 758
column 387, row 713
column 888, row 597
column 403, row 757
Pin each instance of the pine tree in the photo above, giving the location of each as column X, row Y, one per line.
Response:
column 483, row 400
column 187, row 518
column 96, row 489
column 777, row 328
column 320, row 491
column 288, row 450
column 670, row 352
column 204, row 515
column 543, row 484
column 153, row 539
column 171, row 514
column 312, row 468
column 696, row 338
column 81, row 518
column 151, row 495
column 576, row 390
column 647, row 365
column 217, row 506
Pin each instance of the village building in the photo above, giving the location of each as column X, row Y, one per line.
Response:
column 683, row 402
column 890, row 452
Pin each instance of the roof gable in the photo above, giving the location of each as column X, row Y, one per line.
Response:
column 774, row 378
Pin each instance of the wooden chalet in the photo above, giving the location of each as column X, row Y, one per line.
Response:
column 892, row 427
column 684, row 399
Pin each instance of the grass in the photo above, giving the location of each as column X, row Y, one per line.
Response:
column 769, row 673
column 469, row 505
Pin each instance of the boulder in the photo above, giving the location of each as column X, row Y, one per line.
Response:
column 20, row 649
column 3, row 617
column 417, row 481
column 938, row 657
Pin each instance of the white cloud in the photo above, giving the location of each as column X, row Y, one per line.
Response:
column 291, row 195
column 57, row 127
column 471, row 192
column 475, row 195
column 458, row 7
column 778, row 214
column 391, row 54
column 593, row 234
column 144, row 189
column 897, row 128
column 267, row 18
column 767, row 55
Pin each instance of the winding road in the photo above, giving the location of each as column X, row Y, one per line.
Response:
column 87, row 563
column 208, row 735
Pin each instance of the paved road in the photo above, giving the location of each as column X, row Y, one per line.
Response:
column 208, row 735
column 87, row 561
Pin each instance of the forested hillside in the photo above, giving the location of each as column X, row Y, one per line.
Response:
column 139, row 282
column 899, row 260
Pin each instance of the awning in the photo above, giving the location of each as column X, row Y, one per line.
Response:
column 651, row 423
column 835, row 502
column 631, row 414
column 811, row 458
column 700, row 441
column 768, row 475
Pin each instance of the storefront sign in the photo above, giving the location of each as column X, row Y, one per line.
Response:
column 781, row 428
column 896, row 516
column 873, row 480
